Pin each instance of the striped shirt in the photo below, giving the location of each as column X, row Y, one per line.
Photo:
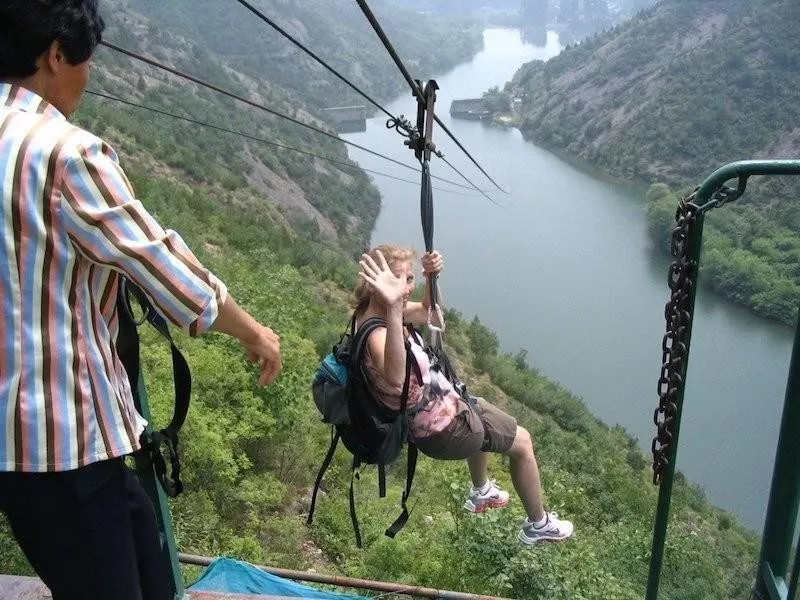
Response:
column 70, row 225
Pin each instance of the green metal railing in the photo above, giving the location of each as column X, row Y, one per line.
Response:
column 771, row 581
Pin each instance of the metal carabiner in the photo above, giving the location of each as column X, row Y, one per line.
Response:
column 436, row 311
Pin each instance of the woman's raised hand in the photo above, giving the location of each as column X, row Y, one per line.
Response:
column 381, row 280
column 432, row 263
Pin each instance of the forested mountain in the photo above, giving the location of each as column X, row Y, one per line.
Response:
column 336, row 31
column 579, row 18
column 573, row 19
column 671, row 95
column 281, row 228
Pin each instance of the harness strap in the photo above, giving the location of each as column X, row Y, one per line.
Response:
column 165, row 441
column 411, row 468
column 325, row 464
column 381, row 480
column 411, row 465
column 440, row 362
column 353, row 517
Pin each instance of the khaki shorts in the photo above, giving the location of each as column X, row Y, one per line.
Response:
column 482, row 428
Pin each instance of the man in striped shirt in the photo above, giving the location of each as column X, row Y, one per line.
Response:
column 70, row 227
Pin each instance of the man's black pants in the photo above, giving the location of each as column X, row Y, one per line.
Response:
column 90, row 533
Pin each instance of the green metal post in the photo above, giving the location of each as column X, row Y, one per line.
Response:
column 705, row 192
column 784, row 496
column 147, row 476
column 665, row 490
column 795, row 572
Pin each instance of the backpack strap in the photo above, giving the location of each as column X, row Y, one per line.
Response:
column 418, row 339
column 360, row 338
column 411, row 465
column 381, row 480
column 353, row 517
column 411, row 468
column 325, row 464
column 361, row 335
column 128, row 350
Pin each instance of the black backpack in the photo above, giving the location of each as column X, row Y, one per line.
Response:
column 372, row 432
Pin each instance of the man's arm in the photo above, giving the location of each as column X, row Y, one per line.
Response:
column 261, row 343
column 110, row 227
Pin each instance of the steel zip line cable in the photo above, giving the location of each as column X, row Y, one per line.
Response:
column 219, row 90
column 265, row 141
column 289, row 37
column 492, row 200
column 414, row 87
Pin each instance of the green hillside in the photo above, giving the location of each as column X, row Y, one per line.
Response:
column 281, row 230
column 671, row 95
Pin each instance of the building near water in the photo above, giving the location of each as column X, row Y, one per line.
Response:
column 347, row 119
column 469, row 108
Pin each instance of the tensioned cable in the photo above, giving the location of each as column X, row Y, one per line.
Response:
column 219, row 90
column 492, row 200
column 414, row 87
column 265, row 141
column 289, row 37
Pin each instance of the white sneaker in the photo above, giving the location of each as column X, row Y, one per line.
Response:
column 494, row 498
column 553, row 530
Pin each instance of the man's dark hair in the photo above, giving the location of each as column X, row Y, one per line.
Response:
column 28, row 27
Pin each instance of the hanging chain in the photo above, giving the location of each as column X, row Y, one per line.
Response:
column 678, row 314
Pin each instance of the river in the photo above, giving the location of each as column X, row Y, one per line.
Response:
column 562, row 268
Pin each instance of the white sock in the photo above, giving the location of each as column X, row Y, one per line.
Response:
column 483, row 489
column 540, row 523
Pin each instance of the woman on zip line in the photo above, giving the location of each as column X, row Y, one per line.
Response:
column 444, row 425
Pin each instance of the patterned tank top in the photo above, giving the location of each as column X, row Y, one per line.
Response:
column 433, row 400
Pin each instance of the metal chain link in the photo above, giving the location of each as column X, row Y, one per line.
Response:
column 678, row 314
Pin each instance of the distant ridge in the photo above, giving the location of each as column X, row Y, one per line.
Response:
column 674, row 93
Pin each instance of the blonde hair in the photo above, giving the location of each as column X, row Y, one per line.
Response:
column 394, row 255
